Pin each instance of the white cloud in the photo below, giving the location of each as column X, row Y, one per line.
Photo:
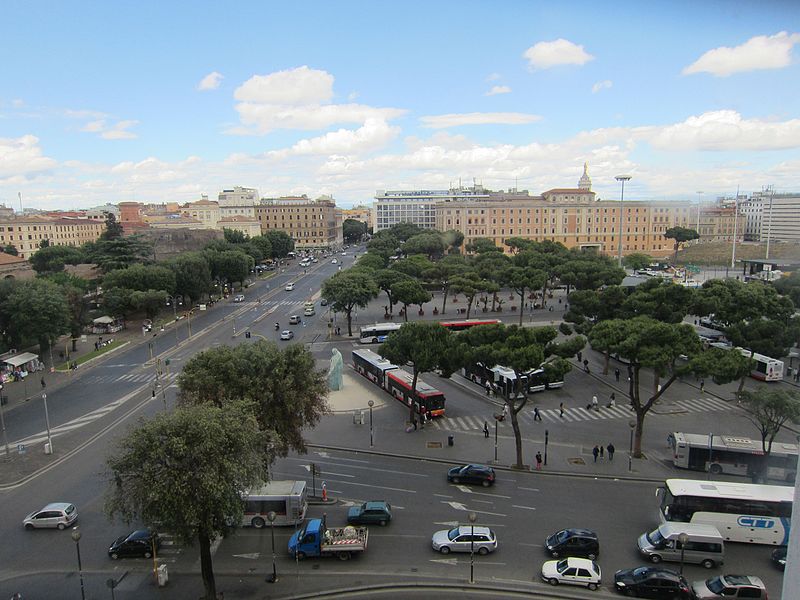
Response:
column 117, row 131
column 293, row 87
column 23, row 156
column 456, row 120
column 210, row 82
column 493, row 77
column 498, row 89
column 545, row 55
column 601, row 85
column 94, row 126
column 374, row 134
column 760, row 52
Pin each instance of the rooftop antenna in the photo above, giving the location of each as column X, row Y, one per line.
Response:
column 19, row 195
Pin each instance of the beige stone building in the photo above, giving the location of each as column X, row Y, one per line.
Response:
column 310, row 223
column 359, row 213
column 206, row 211
column 247, row 225
column 26, row 233
column 717, row 224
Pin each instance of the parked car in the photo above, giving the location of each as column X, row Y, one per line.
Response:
column 480, row 474
column 730, row 586
column 294, row 320
column 779, row 557
column 55, row 515
column 334, row 262
column 572, row 571
column 287, row 335
column 138, row 543
column 465, row 538
column 238, row 298
column 289, row 287
column 652, row 582
column 323, row 302
column 573, row 542
column 375, row 512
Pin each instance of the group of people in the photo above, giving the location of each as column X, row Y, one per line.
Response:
column 598, row 450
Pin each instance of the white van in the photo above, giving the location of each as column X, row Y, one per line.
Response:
column 704, row 544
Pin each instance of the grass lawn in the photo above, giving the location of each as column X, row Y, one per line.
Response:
column 64, row 367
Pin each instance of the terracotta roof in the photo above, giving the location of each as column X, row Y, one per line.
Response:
column 10, row 259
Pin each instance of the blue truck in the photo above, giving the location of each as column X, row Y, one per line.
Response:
column 315, row 540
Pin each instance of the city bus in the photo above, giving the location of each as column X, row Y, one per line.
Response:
column 372, row 366
column 503, row 378
column 428, row 401
column 764, row 369
column 742, row 512
column 462, row 325
column 376, row 334
column 732, row 455
column 287, row 499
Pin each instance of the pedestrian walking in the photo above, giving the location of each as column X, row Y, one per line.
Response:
column 702, row 385
column 561, row 409
column 611, row 451
column 797, row 376
column 536, row 414
column 414, row 423
column 595, row 452
column 538, row 461
column 594, row 402
column 423, row 418
column 44, row 384
column 485, row 429
column 616, row 374
column 488, row 389
column 613, row 400
column 586, row 365
column 580, row 356
column 601, row 451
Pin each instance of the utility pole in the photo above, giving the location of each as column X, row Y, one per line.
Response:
column 769, row 224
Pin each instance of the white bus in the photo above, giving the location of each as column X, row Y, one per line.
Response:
column 742, row 512
column 287, row 499
column 732, row 455
column 765, row 368
column 376, row 334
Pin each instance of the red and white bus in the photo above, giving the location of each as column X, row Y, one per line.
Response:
column 462, row 325
column 428, row 400
column 372, row 366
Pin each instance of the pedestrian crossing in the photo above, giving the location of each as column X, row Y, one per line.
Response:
column 142, row 377
column 571, row 415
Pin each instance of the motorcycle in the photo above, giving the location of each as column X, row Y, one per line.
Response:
column 277, row 326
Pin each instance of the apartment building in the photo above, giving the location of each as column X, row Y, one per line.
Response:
column 310, row 223
column 418, row 206
column 204, row 210
column 359, row 213
column 239, row 201
column 26, row 233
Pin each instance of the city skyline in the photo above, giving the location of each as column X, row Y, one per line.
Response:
column 152, row 103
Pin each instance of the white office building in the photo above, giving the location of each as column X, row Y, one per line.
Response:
column 418, row 206
column 772, row 216
column 236, row 202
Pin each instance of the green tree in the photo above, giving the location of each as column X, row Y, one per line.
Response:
column 413, row 266
column 770, row 411
column 53, row 258
column 37, row 311
column 11, row 249
column 469, row 285
column 263, row 244
column 492, row 267
column 764, row 336
column 662, row 300
column 453, row 240
column 430, row 243
column 113, row 230
column 45, row 243
column 118, row 302
column 346, row 290
column 119, row 253
column 142, row 278
column 724, row 366
column 403, row 231
column 385, row 279
column 234, row 236
column 681, row 235
column 286, row 392
column 587, row 271
column 407, row 292
column 441, row 274
column 371, row 262
column 384, row 244
column 422, row 345
column 588, row 307
column 231, row 265
column 522, row 280
column 353, row 231
column 74, row 289
column 185, row 471
column 280, row 242
column 645, row 342
column 637, row 261
column 789, row 286
column 192, row 275
column 482, row 246
column 732, row 302
column 149, row 301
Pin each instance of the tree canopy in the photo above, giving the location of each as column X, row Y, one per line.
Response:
column 681, row 235
column 347, row 290
column 769, row 411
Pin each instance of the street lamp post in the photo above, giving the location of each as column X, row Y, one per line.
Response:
column 472, row 517
column 47, row 423
column 496, row 426
column 683, row 538
column 632, row 425
column 271, row 518
column 76, row 537
column 3, row 420
column 371, row 403
column 174, row 301
column 546, row 439
column 622, row 179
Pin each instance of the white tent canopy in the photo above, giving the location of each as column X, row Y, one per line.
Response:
column 103, row 320
column 20, row 359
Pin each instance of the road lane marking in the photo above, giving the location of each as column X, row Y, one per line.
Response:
column 380, row 487
column 443, row 495
column 484, row 501
column 528, row 489
column 525, row 507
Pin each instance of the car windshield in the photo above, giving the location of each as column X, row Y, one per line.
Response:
column 562, row 565
column 715, row 585
column 655, row 538
column 640, row 573
column 70, row 509
column 562, row 536
column 119, row 540
column 452, row 534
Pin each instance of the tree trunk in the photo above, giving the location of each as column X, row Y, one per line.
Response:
column 517, row 434
column 206, row 567
column 446, row 290
column 494, row 301
column 350, row 322
column 740, row 388
column 469, row 305
column 607, row 357
column 521, row 306
column 655, row 383
column 637, row 436
column 405, row 312
column 544, row 295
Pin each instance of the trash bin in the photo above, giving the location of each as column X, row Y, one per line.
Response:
column 163, row 575
column 450, row 439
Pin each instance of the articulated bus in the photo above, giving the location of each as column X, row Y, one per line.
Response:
column 397, row 382
column 376, row 334
column 504, row 378
column 462, row 325
column 764, row 369
column 742, row 512
column 732, row 455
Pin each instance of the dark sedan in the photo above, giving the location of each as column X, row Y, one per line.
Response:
column 652, row 582
column 479, row 474
column 370, row 513
column 137, row 544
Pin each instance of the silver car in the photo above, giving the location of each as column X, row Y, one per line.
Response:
column 55, row 515
column 465, row 538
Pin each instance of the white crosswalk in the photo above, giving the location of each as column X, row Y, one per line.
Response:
column 143, row 377
column 552, row 415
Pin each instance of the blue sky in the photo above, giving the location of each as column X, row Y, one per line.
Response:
column 165, row 101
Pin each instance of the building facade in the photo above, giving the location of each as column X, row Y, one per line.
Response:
column 27, row 233
column 780, row 217
column 239, row 201
column 359, row 213
column 418, row 206
column 310, row 223
column 204, row 210
column 249, row 226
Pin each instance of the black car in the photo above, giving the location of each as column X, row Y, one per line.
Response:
column 779, row 557
column 573, row 542
column 323, row 302
column 652, row 582
column 480, row 474
column 138, row 543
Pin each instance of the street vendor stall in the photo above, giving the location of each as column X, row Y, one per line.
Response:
column 107, row 324
column 16, row 367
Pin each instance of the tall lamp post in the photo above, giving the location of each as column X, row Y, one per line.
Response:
column 76, row 537
column 47, row 423
column 271, row 518
column 3, row 420
column 371, row 403
column 622, row 179
column 174, row 301
column 472, row 517
column 632, row 425
column 683, row 538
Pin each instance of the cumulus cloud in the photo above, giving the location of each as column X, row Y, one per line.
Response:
column 297, row 99
column 498, row 89
column 116, row 131
column 456, row 120
column 545, row 55
column 601, row 85
column 23, row 156
column 373, row 134
column 210, row 82
column 493, row 77
column 757, row 53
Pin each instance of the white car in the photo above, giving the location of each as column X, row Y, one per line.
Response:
column 572, row 571
column 287, row 335
column 55, row 515
column 289, row 287
column 238, row 298
column 294, row 320
column 465, row 538
column 334, row 262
